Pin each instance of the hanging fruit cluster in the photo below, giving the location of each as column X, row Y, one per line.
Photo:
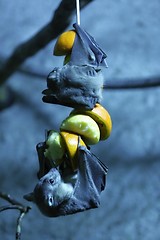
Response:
column 91, row 125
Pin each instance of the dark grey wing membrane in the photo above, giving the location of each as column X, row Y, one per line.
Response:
column 91, row 180
column 86, row 51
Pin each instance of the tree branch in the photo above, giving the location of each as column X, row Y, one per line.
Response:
column 112, row 84
column 60, row 21
column 14, row 204
column 132, row 83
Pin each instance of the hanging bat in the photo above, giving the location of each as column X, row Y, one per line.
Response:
column 79, row 83
column 62, row 194
column 74, row 86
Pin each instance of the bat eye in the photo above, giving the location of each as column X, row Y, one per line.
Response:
column 52, row 75
column 51, row 181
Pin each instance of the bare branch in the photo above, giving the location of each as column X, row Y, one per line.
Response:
column 153, row 81
column 9, row 199
column 60, row 21
column 14, row 204
column 112, row 84
column 19, row 223
column 11, row 207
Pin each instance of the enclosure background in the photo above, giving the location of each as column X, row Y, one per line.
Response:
column 129, row 32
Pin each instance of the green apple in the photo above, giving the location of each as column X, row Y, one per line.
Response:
column 55, row 148
column 67, row 59
column 84, row 126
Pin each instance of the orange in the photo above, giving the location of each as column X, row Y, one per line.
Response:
column 64, row 43
column 102, row 118
column 71, row 142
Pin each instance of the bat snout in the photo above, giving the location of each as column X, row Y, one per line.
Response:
column 54, row 74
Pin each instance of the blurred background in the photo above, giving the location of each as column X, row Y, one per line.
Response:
column 129, row 32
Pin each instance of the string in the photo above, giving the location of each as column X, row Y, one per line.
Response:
column 78, row 11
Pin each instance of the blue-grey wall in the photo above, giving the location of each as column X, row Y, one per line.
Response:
column 129, row 32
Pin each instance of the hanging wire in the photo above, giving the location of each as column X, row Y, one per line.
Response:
column 78, row 11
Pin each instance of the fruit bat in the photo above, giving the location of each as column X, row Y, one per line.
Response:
column 60, row 193
column 79, row 83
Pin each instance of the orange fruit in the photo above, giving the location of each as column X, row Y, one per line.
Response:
column 82, row 125
column 64, row 43
column 71, row 142
column 102, row 118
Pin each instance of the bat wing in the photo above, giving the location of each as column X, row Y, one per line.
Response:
column 86, row 51
column 90, row 183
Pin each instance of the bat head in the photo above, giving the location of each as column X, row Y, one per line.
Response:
column 50, row 192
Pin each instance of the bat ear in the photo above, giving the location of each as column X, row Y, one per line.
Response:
column 29, row 197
